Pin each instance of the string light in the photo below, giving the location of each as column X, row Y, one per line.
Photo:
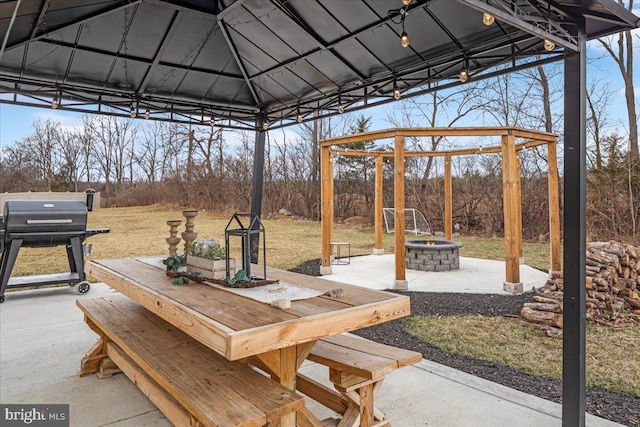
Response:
column 147, row 114
column 265, row 125
column 298, row 115
column 464, row 71
column 464, row 75
column 340, row 107
column 132, row 113
column 404, row 39
column 212, row 122
column 549, row 45
column 396, row 91
column 488, row 19
column 55, row 102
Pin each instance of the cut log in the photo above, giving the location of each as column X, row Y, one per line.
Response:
column 542, row 317
column 545, row 300
column 554, row 307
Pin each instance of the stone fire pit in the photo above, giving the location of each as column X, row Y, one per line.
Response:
column 432, row 255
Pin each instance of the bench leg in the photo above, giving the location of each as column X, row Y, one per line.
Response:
column 90, row 363
column 361, row 411
column 107, row 368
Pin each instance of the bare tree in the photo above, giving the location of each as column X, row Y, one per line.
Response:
column 436, row 109
column 43, row 143
column 623, row 57
column 71, row 151
column 598, row 98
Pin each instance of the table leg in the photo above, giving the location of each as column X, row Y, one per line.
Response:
column 283, row 365
column 288, row 368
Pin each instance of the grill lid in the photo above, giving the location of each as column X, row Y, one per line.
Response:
column 34, row 217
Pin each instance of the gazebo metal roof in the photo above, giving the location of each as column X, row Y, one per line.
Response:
column 234, row 58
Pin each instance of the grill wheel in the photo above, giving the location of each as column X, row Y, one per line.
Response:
column 82, row 287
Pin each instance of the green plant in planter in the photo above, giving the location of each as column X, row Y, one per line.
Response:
column 208, row 249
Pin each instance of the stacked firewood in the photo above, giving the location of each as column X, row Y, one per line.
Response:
column 613, row 290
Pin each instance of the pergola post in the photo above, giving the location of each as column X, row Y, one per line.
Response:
column 378, row 248
column 518, row 206
column 448, row 198
column 326, row 183
column 510, row 198
column 554, row 209
column 575, row 241
column 400, row 281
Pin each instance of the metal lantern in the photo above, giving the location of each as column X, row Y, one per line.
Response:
column 250, row 240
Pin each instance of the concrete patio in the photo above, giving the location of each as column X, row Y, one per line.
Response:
column 475, row 276
column 43, row 337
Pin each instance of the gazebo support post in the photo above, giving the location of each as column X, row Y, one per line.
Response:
column 256, row 185
column 510, row 199
column 575, row 196
column 518, row 206
column 326, row 182
column 448, row 198
column 378, row 248
column 400, row 281
column 554, row 209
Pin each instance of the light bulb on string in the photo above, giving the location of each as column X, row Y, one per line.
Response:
column 265, row 125
column 132, row 113
column 488, row 19
column 147, row 114
column 549, row 45
column 299, row 117
column 396, row 92
column 340, row 106
column 464, row 75
column 55, row 102
column 212, row 121
column 404, row 39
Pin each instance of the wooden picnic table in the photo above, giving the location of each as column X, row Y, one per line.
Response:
column 241, row 328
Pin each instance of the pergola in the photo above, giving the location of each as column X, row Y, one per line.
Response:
column 511, row 190
column 265, row 64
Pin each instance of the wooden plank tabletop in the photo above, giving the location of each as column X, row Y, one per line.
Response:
column 237, row 327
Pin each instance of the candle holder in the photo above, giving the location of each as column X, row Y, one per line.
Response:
column 189, row 235
column 173, row 238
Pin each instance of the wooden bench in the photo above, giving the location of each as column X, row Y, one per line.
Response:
column 190, row 383
column 357, row 368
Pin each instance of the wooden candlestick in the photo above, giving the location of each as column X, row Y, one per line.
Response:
column 173, row 238
column 189, row 235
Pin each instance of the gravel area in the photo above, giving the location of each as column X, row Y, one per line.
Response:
column 618, row 407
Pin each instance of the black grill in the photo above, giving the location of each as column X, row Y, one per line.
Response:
column 43, row 224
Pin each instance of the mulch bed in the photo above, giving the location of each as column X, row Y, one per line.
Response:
column 618, row 407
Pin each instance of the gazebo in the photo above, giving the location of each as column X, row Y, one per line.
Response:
column 511, row 190
column 260, row 65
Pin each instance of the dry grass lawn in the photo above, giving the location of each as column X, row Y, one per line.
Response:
column 613, row 357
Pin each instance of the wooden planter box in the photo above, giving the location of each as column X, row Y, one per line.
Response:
column 218, row 267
